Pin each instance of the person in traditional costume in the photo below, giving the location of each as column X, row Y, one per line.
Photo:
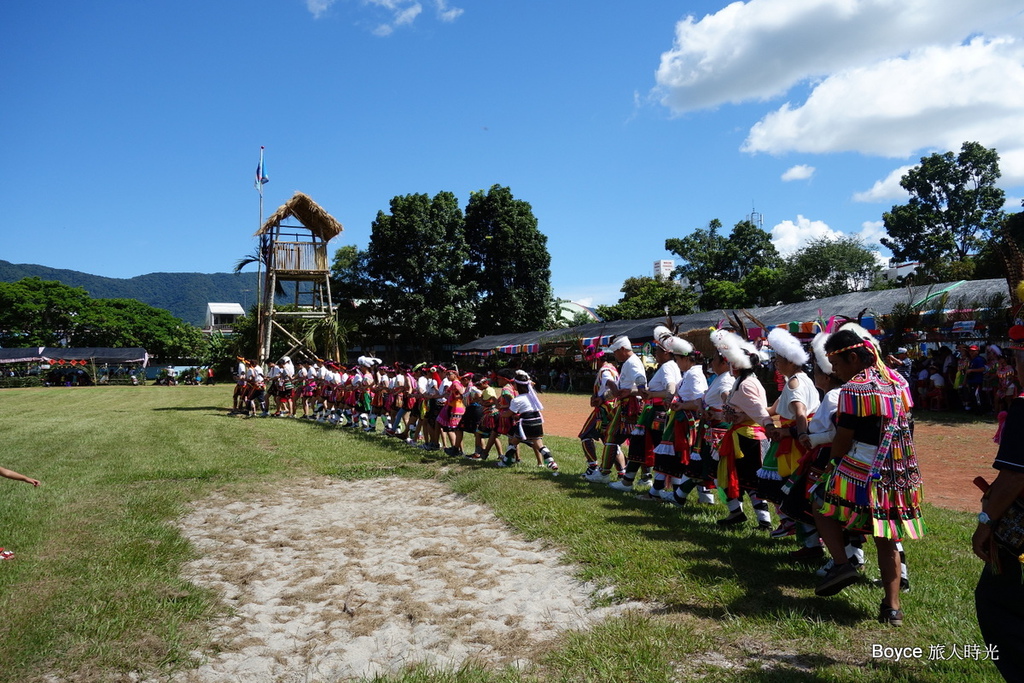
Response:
column 817, row 442
column 875, row 485
column 238, row 402
column 999, row 595
column 679, row 465
column 742, row 448
column 631, row 381
column 475, row 385
column 450, row 417
column 794, row 407
column 602, row 403
column 506, row 392
column 528, row 424
column 487, row 429
column 656, row 397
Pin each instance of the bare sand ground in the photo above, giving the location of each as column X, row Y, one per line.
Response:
column 342, row 579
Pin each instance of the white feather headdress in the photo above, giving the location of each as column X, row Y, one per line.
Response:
column 787, row 346
column 661, row 333
column 731, row 346
column 860, row 332
column 820, row 357
column 677, row 346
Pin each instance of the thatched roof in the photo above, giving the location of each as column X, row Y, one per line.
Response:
column 307, row 212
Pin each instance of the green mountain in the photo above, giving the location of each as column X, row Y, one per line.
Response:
column 185, row 295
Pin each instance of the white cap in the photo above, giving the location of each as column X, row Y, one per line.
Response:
column 620, row 343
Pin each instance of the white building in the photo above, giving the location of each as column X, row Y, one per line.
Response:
column 222, row 317
column 663, row 268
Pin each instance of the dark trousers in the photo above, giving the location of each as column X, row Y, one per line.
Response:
column 999, row 601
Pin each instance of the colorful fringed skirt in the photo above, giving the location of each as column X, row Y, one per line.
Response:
column 879, row 496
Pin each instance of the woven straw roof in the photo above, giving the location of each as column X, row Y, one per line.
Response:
column 307, row 212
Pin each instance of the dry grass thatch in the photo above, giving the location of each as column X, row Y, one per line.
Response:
column 307, row 212
column 701, row 340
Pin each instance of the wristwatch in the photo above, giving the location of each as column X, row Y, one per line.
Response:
column 983, row 518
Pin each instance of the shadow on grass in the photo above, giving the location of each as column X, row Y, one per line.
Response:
column 193, row 409
column 709, row 554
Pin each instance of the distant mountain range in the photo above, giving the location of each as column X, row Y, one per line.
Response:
column 183, row 294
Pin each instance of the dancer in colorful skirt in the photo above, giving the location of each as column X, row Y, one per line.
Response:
column 817, row 440
column 656, row 397
column 602, row 402
column 741, row 450
column 794, row 407
column 487, row 429
column 875, row 486
column 454, row 408
column 674, row 456
column 631, row 381
column 528, row 424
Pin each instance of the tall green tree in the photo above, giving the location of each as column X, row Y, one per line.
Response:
column 419, row 287
column 718, row 266
column 648, row 297
column 954, row 208
column 508, row 262
column 828, row 267
column 35, row 312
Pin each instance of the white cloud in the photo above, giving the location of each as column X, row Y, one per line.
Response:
column 886, row 189
column 871, row 232
column 408, row 15
column 446, row 13
column 934, row 98
column 761, row 48
column 318, row 7
column 790, row 236
column 884, row 78
column 801, row 172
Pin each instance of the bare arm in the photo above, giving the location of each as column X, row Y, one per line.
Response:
column 11, row 474
column 995, row 503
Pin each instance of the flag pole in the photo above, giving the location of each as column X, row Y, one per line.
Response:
column 261, row 254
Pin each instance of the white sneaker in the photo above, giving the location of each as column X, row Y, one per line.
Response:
column 619, row 486
column 596, row 477
column 667, row 495
column 705, row 496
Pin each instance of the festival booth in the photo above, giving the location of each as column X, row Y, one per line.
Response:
column 918, row 318
column 82, row 366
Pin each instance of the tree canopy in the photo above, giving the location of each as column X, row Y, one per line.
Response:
column 954, row 208
column 828, row 267
column 36, row 312
column 418, row 280
column 648, row 297
column 509, row 263
column 717, row 266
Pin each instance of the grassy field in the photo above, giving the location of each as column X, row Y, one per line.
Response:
column 95, row 591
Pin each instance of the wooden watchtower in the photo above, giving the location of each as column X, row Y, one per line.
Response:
column 295, row 254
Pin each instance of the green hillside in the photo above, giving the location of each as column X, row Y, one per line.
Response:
column 185, row 295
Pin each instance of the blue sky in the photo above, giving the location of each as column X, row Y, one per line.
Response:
column 130, row 130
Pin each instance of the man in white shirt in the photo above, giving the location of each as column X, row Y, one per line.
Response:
column 632, row 379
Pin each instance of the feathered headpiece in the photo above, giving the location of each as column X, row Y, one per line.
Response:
column 820, row 357
column 661, row 333
column 787, row 346
column 677, row 346
column 731, row 346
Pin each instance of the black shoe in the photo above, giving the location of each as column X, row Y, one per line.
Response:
column 837, row 578
column 905, row 584
column 734, row 518
column 805, row 554
column 888, row 615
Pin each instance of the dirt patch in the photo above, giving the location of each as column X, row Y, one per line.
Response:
column 419, row 575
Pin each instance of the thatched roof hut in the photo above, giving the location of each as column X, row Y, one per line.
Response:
column 307, row 212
